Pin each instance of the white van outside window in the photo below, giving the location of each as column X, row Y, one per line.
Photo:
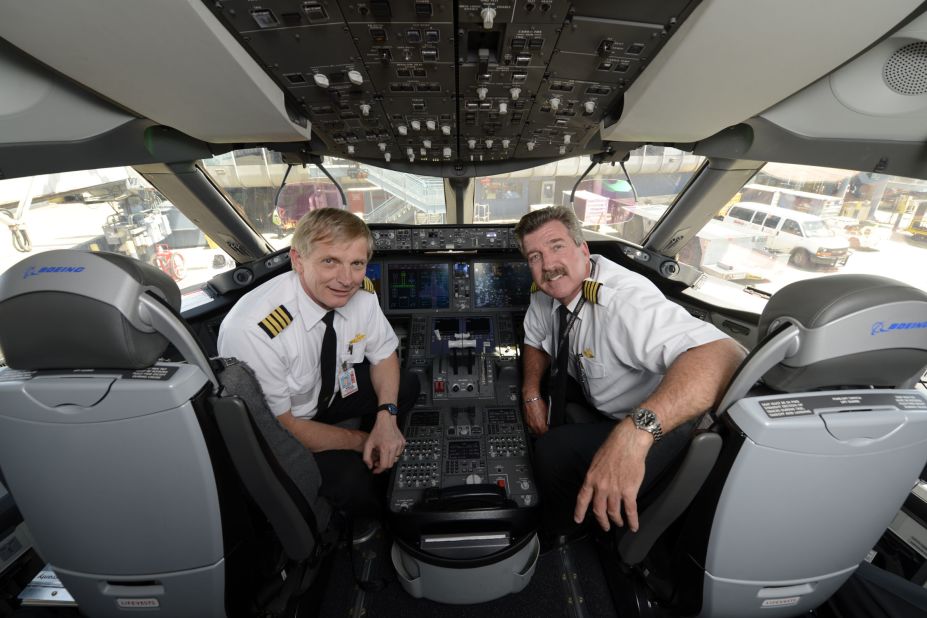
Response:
column 804, row 237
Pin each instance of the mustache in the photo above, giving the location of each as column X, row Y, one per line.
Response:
column 556, row 272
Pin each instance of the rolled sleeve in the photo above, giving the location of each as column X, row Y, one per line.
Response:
column 382, row 340
column 538, row 327
column 657, row 332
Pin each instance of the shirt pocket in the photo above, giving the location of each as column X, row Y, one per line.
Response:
column 591, row 368
column 355, row 353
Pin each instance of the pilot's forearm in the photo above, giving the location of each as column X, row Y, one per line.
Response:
column 385, row 379
column 318, row 437
column 694, row 382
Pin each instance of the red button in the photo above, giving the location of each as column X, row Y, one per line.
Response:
column 500, row 483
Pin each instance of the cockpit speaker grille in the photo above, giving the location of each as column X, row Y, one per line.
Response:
column 905, row 72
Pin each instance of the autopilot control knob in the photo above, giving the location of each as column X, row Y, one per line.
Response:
column 455, row 388
column 321, row 80
column 430, row 125
column 503, row 107
column 447, row 152
column 403, row 129
column 355, row 77
column 515, row 92
column 365, row 110
column 506, row 142
column 589, row 106
column 416, row 125
column 471, row 143
column 481, row 92
column 426, row 143
column 555, row 103
column 446, row 129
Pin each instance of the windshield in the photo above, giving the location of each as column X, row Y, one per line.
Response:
column 817, row 229
column 274, row 195
column 870, row 223
column 112, row 209
column 879, row 233
column 606, row 200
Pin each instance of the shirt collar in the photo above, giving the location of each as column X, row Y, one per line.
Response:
column 310, row 311
column 593, row 275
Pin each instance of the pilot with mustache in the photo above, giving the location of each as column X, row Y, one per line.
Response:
column 635, row 373
column 325, row 356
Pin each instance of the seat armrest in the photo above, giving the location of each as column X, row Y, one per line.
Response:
column 234, row 421
column 698, row 462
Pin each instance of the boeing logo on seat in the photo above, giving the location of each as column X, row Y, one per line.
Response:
column 880, row 327
column 32, row 271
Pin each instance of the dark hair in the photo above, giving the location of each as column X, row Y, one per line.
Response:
column 534, row 220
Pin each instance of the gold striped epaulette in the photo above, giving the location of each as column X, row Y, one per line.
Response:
column 534, row 287
column 367, row 286
column 276, row 321
column 591, row 291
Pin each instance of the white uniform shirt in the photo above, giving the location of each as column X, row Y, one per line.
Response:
column 622, row 345
column 286, row 360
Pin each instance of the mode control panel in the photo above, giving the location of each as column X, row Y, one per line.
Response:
column 442, row 238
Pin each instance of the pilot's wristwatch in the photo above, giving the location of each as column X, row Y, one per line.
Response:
column 389, row 407
column 646, row 420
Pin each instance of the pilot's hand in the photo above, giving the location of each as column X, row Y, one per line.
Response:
column 614, row 477
column 536, row 415
column 384, row 446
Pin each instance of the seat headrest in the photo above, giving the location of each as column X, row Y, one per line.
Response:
column 855, row 330
column 68, row 309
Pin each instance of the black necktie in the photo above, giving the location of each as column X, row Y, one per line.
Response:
column 327, row 361
column 560, row 371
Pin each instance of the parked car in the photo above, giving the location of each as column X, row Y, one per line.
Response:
column 806, row 238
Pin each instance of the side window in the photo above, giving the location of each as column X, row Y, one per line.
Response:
column 758, row 218
column 772, row 221
column 791, row 227
column 741, row 213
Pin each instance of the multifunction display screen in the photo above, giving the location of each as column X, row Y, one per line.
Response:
column 419, row 286
column 498, row 285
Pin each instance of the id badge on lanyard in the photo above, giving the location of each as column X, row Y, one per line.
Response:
column 347, row 380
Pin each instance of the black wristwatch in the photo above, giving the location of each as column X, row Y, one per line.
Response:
column 389, row 407
column 646, row 420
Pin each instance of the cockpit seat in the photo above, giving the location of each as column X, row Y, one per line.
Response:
column 817, row 442
column 146, row 485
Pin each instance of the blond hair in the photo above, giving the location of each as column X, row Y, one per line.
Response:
column 329, row 225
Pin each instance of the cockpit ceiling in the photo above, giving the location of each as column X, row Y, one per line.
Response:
column 418, row 81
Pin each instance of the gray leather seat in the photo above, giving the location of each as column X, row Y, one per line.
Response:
column 813, row 449
column 145, row 483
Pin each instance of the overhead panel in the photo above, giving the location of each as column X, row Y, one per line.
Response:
column 439, row 81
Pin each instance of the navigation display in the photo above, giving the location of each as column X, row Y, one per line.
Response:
column 419, row 286
column 497, row 285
